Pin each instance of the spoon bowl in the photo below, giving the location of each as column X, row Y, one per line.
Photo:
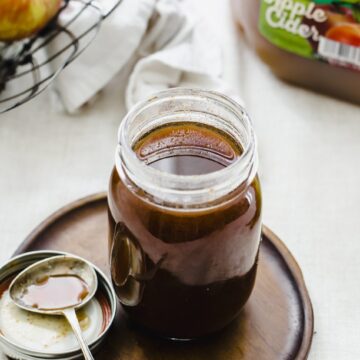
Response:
column 38, row 289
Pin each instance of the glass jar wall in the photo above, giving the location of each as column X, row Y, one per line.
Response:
column 185, row 213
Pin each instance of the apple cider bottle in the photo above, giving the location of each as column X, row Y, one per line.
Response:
column 311, row 43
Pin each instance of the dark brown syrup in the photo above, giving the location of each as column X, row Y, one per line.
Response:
column 55, row 292
column 197, row 268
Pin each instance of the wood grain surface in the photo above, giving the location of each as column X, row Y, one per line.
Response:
column 276, row 323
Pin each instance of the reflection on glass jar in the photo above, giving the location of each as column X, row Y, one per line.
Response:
column 126, row 263
column 185, row 213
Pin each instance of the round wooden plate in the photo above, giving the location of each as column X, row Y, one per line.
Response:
column 276, row 323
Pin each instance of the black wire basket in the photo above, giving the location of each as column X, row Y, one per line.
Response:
column 28, row 67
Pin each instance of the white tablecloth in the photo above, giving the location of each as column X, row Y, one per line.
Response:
column 309, row 151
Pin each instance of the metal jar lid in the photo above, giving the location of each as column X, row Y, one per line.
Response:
column 24, row 335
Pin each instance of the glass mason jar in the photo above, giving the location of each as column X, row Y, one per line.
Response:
column 184, row 213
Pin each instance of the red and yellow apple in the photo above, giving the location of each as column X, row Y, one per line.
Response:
column 345, row 33
column 335, row 15
column 22, row 18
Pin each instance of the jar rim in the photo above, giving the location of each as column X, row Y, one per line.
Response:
column 195, row 186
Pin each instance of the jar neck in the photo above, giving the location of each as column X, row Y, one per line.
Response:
column 186, row 191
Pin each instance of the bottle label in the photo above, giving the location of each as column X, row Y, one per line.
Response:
column 323, row 30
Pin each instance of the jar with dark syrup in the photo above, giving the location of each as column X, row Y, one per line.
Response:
column 184, row 213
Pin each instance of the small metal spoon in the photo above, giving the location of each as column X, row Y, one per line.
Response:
column 62, row 265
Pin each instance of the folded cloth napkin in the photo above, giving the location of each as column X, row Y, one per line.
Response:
column 158, row 44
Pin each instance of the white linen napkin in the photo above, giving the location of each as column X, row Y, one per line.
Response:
column 158, row 44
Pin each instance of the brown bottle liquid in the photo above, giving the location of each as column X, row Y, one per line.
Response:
column 318, row 75
column 193, row 149
column 198, row 267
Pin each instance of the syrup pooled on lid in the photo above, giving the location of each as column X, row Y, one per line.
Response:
column 55, row 292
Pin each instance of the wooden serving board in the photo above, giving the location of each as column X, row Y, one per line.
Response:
column 276, row 323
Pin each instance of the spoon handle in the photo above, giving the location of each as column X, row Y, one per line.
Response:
column 71, row 317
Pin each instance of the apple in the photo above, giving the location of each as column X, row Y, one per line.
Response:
column 335, row 15
column 345, row 33
column 22, row 18
column 338, row 15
